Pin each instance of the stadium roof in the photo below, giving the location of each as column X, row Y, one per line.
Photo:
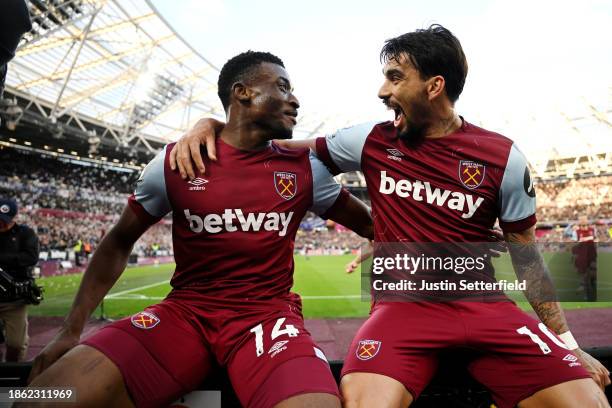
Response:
column 115, row 62
column 118, row 64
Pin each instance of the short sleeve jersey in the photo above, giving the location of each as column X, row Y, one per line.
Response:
column 234, row 228
column 586, row 234
column 451, row 189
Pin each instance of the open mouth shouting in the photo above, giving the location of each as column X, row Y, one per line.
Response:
column 399, row 120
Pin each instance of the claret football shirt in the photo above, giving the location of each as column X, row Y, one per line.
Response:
column 233, row 229
column 450, row 189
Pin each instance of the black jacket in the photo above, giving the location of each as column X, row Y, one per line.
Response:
column 18, row 251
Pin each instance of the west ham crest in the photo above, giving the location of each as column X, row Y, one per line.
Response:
column 145, row 320
column 367, row 349
column 471, row 174
column 286, row 184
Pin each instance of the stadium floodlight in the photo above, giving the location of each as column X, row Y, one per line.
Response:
column 56, row 129
column 48, row 16
column 143, row 86
column 163, row 93
column 94, row 141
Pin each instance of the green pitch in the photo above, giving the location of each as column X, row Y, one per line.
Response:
column 326, row 290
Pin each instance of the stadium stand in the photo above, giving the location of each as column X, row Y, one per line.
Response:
column 69, row 200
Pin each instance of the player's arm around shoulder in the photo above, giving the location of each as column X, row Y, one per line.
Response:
column 341, row 150
column 186, row 155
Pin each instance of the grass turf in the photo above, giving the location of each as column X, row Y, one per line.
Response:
column 326, row 290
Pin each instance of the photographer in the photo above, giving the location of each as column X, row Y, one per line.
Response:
column 18, row 255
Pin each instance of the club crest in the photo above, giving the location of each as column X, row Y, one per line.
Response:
column 367, row 349
column 471, row 174
column 285, row 184
column 145, row 320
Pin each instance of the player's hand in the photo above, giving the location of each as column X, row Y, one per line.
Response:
column 186, row 151
column 351, row 266
column 59, row 346
column 498, row 245
column 598, row 372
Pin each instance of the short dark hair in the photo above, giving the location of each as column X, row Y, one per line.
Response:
column 432, row 51
column 239, row 68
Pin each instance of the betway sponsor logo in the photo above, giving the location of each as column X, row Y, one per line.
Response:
column 215, row 223
column 422, row 191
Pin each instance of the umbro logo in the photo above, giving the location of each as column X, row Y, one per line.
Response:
column 395, row 154
column 572, row 360
column 197, row 184
column 278, row 347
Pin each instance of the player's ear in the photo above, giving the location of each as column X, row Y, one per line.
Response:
column 435, row 86
column 241, row 92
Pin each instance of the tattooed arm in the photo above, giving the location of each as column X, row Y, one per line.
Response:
column 529, row 266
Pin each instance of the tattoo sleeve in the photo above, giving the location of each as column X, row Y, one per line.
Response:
column 529, row 266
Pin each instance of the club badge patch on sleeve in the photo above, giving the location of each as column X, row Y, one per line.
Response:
column 145, row 320
column 367, row 349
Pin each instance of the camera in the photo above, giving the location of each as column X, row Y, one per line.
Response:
column 12, row 290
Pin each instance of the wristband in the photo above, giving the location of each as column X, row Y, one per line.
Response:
column 569, row 340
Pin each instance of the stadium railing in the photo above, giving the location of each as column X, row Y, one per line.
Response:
column 452, row 386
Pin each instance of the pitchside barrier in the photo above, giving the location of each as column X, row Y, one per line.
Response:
column 451, row 387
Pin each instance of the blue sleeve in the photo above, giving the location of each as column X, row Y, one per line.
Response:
column 150, row 190
column 325, row 190
column 342, row 150
column 517, row 194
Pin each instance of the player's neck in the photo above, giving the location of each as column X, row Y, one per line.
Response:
column 244, row 136
column 446, row 123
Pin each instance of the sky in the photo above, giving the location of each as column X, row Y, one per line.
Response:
column 529, row 60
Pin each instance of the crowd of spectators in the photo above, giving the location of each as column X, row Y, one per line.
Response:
column 72, row 205
column 327, row 241
column 41, row 181
column 566, row 200
column 69, row 202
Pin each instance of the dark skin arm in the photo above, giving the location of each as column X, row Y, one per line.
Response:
column 354, row 215
column 106, row 266
column 529, row 265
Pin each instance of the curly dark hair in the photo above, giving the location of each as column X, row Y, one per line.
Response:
column 240, row 68
column 432, row 51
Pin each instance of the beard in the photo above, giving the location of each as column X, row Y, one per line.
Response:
column 413, row 135
column 414, row 132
